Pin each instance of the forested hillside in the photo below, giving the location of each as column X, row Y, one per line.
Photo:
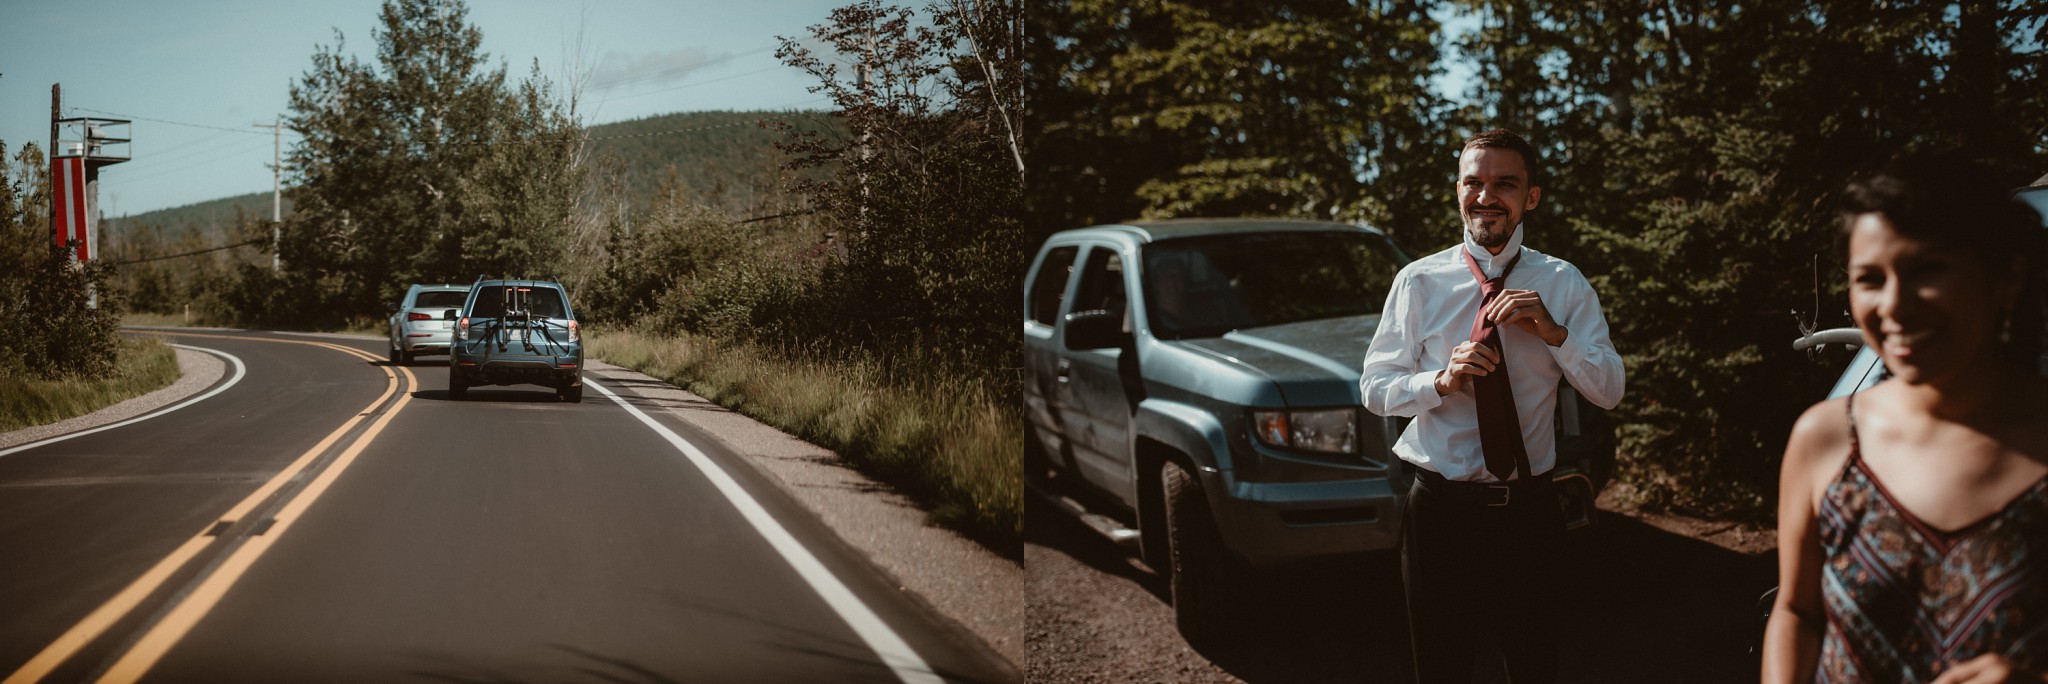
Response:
column 1692, row 154
column 715, row 154
column 728, row 155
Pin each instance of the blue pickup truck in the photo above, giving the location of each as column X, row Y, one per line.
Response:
column 1191, row 389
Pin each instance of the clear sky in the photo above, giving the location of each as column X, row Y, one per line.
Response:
column 227, row 64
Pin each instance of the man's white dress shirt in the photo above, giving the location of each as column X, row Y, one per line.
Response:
column 1430, row 311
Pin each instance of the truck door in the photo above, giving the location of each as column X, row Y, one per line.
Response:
column 1099, row 415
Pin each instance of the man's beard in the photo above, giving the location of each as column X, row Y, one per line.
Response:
column 1489, row 239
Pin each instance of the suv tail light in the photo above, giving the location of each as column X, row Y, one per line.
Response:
column 575, row 332
column 417, row 316
column 462, row 328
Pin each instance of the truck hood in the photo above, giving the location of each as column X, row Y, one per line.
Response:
column 1313, row 362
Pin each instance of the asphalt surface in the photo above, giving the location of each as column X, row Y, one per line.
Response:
column 331, row 518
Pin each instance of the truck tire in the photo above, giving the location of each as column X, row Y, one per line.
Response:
column 457, row 389
column 1206, row 582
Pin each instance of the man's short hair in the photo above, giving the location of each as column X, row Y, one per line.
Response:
column 1505, row 139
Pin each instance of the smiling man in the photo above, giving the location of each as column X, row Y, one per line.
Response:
column 1471, row 344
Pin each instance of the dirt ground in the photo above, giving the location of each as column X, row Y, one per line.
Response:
column 1651, row 598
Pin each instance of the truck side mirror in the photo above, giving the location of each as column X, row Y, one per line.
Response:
column 1095, row 329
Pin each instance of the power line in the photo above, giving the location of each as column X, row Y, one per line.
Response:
column 200, row 141
column 162, row 121
column 192, row 165
column 680, row 70
column 195, row 252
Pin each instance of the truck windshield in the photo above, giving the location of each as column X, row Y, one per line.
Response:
column 1207, row 286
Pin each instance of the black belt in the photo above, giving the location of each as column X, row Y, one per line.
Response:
column 1483, row 493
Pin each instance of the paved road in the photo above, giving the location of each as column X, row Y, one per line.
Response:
column 327, row 517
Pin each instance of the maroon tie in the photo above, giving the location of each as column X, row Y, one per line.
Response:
column 1500, row 428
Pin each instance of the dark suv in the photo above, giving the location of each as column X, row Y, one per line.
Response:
column 1198, row 380
column 515, row 332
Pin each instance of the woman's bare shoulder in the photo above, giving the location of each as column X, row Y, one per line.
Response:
column 1820, row 441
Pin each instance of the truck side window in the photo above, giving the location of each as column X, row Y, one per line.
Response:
column 1051, row 284
column 1102, row 283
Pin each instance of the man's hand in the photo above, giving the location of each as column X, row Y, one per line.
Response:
column 1524, row 309
column 1990, row 668
column 1470, row 359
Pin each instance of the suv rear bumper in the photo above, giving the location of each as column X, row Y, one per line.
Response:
column 1276, row 523
column 561, row 371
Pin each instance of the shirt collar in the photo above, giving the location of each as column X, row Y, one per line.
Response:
column 1491, row 264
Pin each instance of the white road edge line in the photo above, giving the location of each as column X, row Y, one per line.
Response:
column 894, row 652
column 240, row 370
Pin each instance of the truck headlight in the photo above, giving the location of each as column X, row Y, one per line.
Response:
column 1333, row 431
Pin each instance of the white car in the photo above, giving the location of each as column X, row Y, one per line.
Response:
column 419, row 323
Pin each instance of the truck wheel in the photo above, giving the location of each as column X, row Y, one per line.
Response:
column 457, row 389
column 570, row 394
column 1204, row 578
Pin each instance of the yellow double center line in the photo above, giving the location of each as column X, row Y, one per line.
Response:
column 186, row 613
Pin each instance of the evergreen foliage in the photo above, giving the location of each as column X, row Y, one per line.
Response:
column 1694, row 154
column 52, row 328
column 924, row 187
column 1306, row 109
column 424, row 166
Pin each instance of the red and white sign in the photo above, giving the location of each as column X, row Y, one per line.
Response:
column 71, row 195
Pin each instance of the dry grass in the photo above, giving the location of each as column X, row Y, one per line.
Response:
column 953, row 447
column 145, row 365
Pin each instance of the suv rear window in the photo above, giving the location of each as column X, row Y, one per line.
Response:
column 541, row 300
column 440, row 299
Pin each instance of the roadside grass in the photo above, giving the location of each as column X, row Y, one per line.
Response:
column 156, row 320
column 144, row 365
column 955, row 448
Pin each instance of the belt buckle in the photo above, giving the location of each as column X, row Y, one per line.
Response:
column 1498, row 495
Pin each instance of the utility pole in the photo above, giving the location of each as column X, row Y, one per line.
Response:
column 276, row 127
column 56, row 112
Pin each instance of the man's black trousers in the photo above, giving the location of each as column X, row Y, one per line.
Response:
column 1474, row 569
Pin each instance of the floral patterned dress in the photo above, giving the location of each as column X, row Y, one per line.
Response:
column 1906, row 601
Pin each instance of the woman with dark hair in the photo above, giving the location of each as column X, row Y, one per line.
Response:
column 1913, row 517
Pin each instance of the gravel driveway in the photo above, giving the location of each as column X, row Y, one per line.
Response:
column 1648, row 605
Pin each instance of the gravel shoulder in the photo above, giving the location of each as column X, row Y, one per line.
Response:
column 1649, row 598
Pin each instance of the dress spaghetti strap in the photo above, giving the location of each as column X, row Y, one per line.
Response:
column 1855, row 446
